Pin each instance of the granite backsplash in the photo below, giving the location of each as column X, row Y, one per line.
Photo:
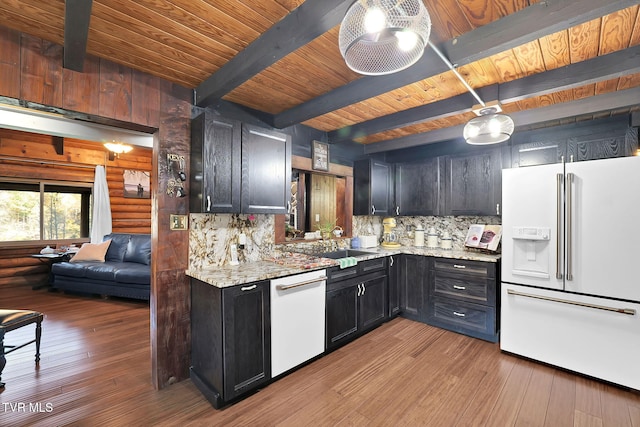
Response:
column 211, row 235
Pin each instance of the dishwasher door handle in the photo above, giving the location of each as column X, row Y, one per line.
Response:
column 296, row 285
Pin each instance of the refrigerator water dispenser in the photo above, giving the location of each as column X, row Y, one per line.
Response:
column 531, row 251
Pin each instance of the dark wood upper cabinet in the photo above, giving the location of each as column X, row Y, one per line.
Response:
column 238, row 168
column 417, row 187
column 373, row 188
column 473, row 183
column 215, row 164
column 266, row 171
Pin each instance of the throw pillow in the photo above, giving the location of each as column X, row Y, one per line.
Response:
column 91, row 252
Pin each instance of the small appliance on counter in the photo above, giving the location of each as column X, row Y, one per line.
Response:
column 389, row 238
column 432, row 238
column 418, row 237
column 368, row 241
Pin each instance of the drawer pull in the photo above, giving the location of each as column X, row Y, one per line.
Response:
column 248, row 288
column 456, row 313
column 459, row 266
column 460, row 288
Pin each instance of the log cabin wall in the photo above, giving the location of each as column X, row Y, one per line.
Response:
column 31, row 70
column 18, row 150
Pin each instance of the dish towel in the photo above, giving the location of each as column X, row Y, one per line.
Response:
column 348, row 262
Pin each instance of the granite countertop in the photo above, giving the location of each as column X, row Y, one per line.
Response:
column 293, row 263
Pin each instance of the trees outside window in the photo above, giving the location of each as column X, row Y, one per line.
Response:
column 33, row 211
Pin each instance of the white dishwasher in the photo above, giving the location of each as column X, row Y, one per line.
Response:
column 297, row 319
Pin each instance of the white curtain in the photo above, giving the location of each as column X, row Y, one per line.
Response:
column 101, row 223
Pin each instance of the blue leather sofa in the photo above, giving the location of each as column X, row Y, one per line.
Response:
column 126, row 271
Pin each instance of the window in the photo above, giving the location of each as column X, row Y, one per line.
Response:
column 32, row 210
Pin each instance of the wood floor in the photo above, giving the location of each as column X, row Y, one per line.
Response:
column 95, row 370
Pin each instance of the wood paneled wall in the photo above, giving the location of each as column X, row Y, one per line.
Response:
column 31, row 70
column 75, row 164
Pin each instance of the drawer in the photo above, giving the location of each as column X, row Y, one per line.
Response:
column 473, row 290
column 464, row 267
column 463, row 317
column 371, row 265
column 363, row 267
column 336, row 285
column 335, row 274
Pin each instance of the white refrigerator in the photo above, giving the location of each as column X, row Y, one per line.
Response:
column 570, row 293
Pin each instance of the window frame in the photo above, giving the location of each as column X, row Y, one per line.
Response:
column 86, row 203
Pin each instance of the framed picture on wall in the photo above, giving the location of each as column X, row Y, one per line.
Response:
column 137, row 184
column 320, row 159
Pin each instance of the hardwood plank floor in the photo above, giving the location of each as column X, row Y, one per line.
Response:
column 96, row 371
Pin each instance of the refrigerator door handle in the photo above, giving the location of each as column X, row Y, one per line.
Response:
column 629, row 311
column 560, row 179
column 569, row 190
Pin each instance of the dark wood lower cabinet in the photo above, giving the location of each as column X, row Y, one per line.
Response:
column 342, row 313
column 373, row 302
column 463, row 297
column 458, row 295
column 393, row 279
column 230, row 339
column 413, row 286
column 354, row 306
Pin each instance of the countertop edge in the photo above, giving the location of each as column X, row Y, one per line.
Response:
column 233, row 275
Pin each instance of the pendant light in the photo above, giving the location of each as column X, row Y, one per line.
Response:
column 117, row 147
column 380, row 37
column 490, row 127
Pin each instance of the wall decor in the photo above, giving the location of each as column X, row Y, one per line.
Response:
column 137, row 184
column 320, row 156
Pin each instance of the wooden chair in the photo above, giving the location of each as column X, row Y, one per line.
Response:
column 11, row 320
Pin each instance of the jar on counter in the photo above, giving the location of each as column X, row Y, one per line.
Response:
column 418, row 240
column 432, row 238
column 447, row 241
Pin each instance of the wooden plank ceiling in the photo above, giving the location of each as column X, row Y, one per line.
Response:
column 541, row 59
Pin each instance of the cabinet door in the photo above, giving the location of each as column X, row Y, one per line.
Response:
column 474, row 183
column 373, row 188
column 416, row 187
column 598, row 146
column 342, row 314
column 393, row 284
column 413, row 282
column 373, row 302
column 542, row 152
column 215, row 164
column 266, row 171
column 247, row 337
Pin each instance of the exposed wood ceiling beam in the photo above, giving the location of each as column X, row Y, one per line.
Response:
column 600, row 68
column 310, row 20
column 547, row 17
column 536, row 21
column 591, row 105
column 77, row 14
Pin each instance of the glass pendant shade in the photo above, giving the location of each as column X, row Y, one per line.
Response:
column 380, row 37
column 118, row 147
column 488, row 129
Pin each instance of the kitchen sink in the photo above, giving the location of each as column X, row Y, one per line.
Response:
column 343, row 253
